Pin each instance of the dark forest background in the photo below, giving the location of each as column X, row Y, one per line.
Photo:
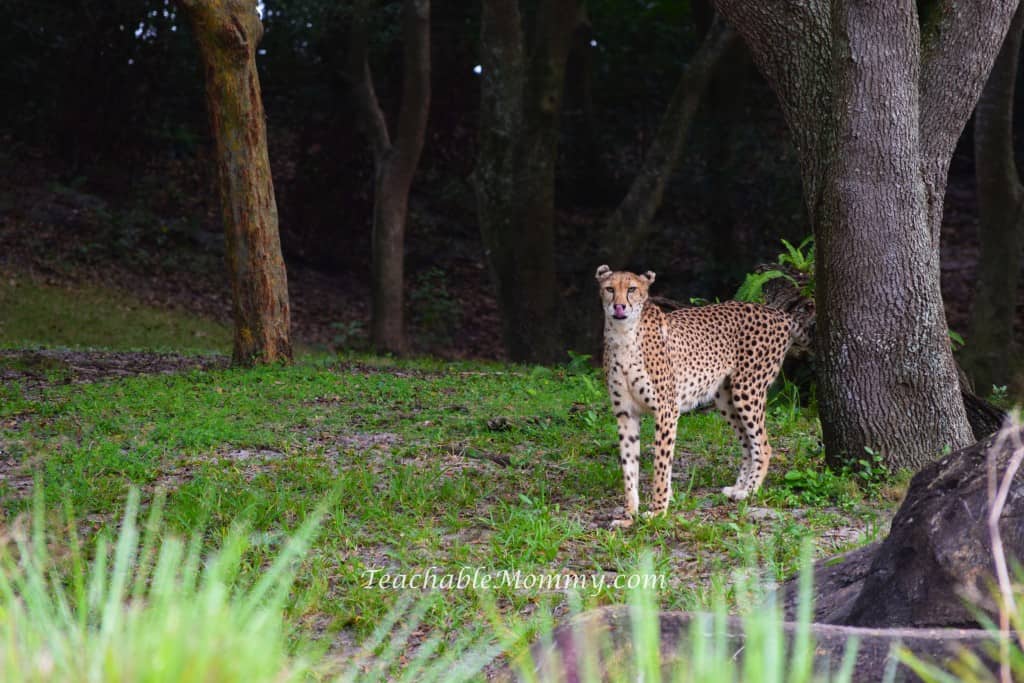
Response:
column 105, row 135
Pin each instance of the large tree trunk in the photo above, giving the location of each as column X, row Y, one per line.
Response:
column 875, row 123
column 227, row 32
column 1000, row 195
column 886, row 367
column 394, row 163
column 521, row 100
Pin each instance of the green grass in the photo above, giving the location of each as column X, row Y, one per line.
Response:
column 425, row 467
column 34, row 314
column 145, row 605
column 147, row 608
column 423, row 476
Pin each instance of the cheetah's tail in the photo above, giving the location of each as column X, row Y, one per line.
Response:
column 787, row 295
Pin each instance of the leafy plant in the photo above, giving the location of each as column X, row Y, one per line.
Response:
column 871, row 470
column 800, row 258
column 752, row 288
column 808, row 486
column 579, row 364
column 784, row 400
column 349, row 335
column 434, row 308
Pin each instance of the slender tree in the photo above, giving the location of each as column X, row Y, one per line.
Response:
column 395, row 161
column 1001, row 206
column 876, row 94
column 227, row 32
column 520, row 107
column 630, row 223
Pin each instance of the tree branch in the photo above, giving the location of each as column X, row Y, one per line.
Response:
column 960, row 41
column 373, row 121
column 630, row 223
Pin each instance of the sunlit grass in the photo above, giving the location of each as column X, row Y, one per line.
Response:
column 32, row 313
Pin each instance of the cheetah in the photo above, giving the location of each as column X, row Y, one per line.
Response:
column 670, row 363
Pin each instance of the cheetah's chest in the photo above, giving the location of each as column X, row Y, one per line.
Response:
column 628, row 377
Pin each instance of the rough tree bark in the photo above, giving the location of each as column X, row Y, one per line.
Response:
column 227, row 32
column 1001, row 206
column 395, row 161
column 876, row 97
column 520, row 106
column 630, row 223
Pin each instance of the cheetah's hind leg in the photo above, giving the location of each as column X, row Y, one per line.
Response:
column 749, row 399
column 724, row 404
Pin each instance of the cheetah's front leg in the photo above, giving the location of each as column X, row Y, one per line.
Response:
column 664, row 451
column 629, row 458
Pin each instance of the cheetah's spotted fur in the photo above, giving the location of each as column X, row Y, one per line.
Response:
column 670, row 363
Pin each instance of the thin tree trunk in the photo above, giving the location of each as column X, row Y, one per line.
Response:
column 521, row 99
column 727, row 97
column 227, row 32
column 630, row 223
column 394, row 163
column 592, row 181
column 1001, row 207
column 875, row 106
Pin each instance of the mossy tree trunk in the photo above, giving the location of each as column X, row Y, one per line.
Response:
column 395, row 161
column 1001, row 205
column 520, row 107
column 227, row 32
column 876, row 94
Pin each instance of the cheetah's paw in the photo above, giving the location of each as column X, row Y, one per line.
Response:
column 735, row 493
column 623, row 523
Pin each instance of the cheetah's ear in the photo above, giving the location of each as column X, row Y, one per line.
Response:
column 602, row 272
column 650, row 277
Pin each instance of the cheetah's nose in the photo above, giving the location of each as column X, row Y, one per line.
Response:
column 619, row 311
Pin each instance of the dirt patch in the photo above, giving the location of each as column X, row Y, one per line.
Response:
column 40, row 368
column 13, row 481
column 364, row 441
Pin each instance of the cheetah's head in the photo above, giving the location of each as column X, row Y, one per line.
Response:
column 623, row 293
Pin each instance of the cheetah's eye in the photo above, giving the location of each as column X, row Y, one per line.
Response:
column 610, row 290
column 631, row 290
